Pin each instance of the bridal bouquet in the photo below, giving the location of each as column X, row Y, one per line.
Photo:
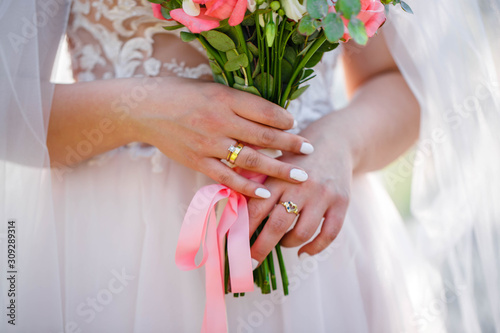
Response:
column 267, row 48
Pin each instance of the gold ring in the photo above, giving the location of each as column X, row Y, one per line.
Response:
column 233, row 152
column 290, row 207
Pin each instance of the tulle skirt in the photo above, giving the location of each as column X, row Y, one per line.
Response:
column 118, row 218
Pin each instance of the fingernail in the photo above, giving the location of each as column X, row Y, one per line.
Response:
column 263, row 193
column 272, row 153
column 255, row 263
column 304, row 255
column 299, row 175
column 295, row 124
column 306, row 148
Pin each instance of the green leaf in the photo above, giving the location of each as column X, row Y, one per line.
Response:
column 296, row 94
column 406, row 7
column 261, row 82
column 156, row 1
column 286, row 71
column 239, row 80
column 304, row 51
column 357, row 31
column 241, row 60
column 326, row 47
column 253, row 49
column 250, row 89
column 219, row 40
column 216, row 69
column 220, row 79
column 173, row 27
column 317, row 8
column 256, row 71
column 290, row 25
column 348, row 7
column 248, row 21
column 307, row 73
column 229, row 31
column 166, row 7
column 333, row 27
column 171, row 5
column 307, row 25
column 297, row 38
column 187, row 36
column 290, row 54
column 231, row 54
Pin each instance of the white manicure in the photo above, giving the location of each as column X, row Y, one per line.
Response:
column 304, row 255
column 295, row 124
column 255, row 263
column 299, row 175
column 263, row 193
column 306, row 148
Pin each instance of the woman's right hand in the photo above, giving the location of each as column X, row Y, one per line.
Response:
column 195, row 122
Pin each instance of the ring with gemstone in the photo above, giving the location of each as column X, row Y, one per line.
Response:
column 290, row 207
column 233, row 152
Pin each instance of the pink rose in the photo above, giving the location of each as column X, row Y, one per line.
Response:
column 372, row 14
column 157, row 11
column 195, row 24
column 209, row 16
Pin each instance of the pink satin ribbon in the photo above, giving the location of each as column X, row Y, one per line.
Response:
column 199, row 223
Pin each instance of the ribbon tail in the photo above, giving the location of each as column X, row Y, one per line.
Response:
column 214, row 320
column 238, row 247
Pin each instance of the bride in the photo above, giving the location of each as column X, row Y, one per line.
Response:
column 144, row 128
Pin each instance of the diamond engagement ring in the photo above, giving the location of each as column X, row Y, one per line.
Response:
column 233, row 152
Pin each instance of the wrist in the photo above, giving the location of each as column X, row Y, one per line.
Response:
column 135, row 105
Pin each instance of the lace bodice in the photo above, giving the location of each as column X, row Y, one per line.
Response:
column 115, row 38
column 121, row 38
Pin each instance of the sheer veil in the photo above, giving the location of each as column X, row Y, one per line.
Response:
column 449, row 53
column 31, row 32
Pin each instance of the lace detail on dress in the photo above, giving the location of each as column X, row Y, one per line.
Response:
column 114, row 39
column 181, row 70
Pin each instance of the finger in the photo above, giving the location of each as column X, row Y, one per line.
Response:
column 226, row 176
column 261, row 111
column 306, row 226
column 268, row 137
column 330, row 229
column 252, row 160
column 259, row 209
column 278, row 224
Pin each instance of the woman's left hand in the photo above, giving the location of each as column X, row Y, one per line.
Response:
column 325, row 194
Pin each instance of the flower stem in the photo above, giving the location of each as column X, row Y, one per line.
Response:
column 284, row 276
column 270, row 261
column 244, row 47
column 316, row 45
column 217, row 56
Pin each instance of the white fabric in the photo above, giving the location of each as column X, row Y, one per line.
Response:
column 449, row 53
column 31, row 31
column 107, row 264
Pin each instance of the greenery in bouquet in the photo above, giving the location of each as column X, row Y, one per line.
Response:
column 269, row 48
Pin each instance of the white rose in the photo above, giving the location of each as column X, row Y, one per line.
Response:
column 191, row 8
column 294, row 10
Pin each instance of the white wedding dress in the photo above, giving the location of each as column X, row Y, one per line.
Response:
column 118, row 217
